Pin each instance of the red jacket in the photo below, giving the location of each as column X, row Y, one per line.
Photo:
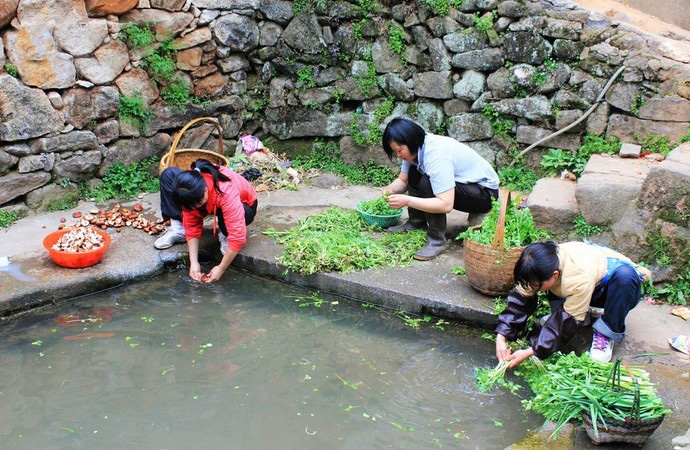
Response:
column 229, row 203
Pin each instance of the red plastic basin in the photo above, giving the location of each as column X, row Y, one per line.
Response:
column 71, row 259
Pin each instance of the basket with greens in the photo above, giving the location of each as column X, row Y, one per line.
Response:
column 378, row 212
column 612, row 406
column 493, row 248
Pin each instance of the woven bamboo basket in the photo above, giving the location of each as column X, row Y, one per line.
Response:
column 490, row 267
column 183, row 158
column 632, row 430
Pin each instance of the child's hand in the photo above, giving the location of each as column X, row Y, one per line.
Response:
column 195, row 272
column 518, row 357
column 502, row 351
column 214, row 274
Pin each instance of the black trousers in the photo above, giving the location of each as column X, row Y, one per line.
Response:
column 170, row 210
column 469, row 197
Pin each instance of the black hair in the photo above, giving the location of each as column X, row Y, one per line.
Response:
column 404, row 132
column 190, row 186
column 536, row 264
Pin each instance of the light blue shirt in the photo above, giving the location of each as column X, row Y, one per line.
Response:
column 447, row 161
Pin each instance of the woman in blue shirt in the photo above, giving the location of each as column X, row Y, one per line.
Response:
column 440, row 174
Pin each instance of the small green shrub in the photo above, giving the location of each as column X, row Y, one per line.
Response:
column 637, row 102
column 308, row 5
column 60, row 204
column 557, row 160
column 656, row 144
column 326, row 158
column 125, row 181
column 657, row 249
column 442, row 7
column 373, row 134
column 305, row 77
column 160, row 67
column 11, row 69
column 7, row 218
column 368, row 7
column 677, row 293
column 396, row 40
column 369, row 83
column 518, row 178
column 134, row 110
column 500, row 124
column 483, row 24
column 137, row 35
column 583, row 229
column 178, row 93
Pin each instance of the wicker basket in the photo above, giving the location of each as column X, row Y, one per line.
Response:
column 490, row 267
column 183, row 158
column 632, row 430
column 374, row 219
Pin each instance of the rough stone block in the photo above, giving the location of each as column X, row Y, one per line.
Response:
column 628, row 128
column 39, row 198
column 553, row 204
column 33, row 163
column 352, row 153
column 668, row 184
column 17, row 184
column 630, row 150
column 527, row 134
column 608, row 185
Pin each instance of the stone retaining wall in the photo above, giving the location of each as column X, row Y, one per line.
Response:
column 329, row 71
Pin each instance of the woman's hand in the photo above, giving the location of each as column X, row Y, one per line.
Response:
column 386, row 191
column 195, row 271
column 214, row 274
column 519, row 356
column 398, row 200
column 502, row 350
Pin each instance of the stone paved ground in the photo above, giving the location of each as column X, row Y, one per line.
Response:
column 132, row 256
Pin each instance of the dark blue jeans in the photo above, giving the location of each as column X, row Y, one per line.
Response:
column 618, row 296
column 170, row 210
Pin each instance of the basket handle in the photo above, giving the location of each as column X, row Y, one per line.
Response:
column 173, row 148
column 501, row 225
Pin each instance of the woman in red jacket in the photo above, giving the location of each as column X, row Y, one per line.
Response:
column 187, row 196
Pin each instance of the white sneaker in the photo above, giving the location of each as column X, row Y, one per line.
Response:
column 169, row 238
column 223, row 239
column 602, row 348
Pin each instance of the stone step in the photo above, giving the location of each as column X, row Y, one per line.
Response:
column 553, row 204
column 608, row 186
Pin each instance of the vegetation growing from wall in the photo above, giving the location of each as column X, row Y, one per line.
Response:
column 396, row 40
column 11, row 69
column 137, row 36
column 325, row 157
column 373, row 134
column 557, row 160
column 125, row 181
column 442, row 7
column 368, row 84
column 133, row 110
column 583, row 229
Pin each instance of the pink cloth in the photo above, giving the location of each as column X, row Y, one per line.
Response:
column 233, row 193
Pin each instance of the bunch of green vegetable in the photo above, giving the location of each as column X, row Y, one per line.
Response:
column 379, row 207
column 572, row 385
column 519, row 227
column 340, row 240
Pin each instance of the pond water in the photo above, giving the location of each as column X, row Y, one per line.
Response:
column 170, row 364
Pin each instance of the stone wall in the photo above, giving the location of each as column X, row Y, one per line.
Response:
column 330, row 71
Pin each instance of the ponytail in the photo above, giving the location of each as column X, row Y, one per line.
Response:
column 205, row 166
column 190, row 186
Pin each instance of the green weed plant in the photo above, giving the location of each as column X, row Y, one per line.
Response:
column 134, row 110
column 325, row 157
column 125, row 181
column 7, row 218
column 518, row 178
column 583, row 229
column 137, row 36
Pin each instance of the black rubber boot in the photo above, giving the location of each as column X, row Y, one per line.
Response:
column 436, row 238
column 415, row 221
